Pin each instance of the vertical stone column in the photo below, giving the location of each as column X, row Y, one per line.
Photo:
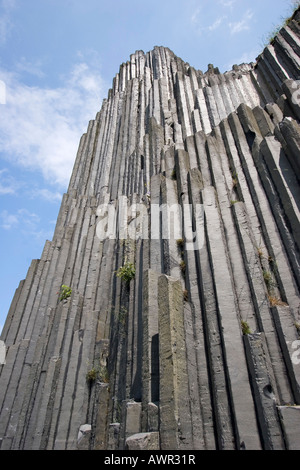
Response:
column 175, row 418
column 150, row 373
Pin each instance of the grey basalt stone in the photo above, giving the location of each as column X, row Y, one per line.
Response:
column 197, row 349
column 143, row 441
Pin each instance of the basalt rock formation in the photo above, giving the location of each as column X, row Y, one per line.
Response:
column 198, row 347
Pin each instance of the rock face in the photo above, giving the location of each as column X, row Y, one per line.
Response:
column 189, row 180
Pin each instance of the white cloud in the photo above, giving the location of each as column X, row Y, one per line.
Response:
column 23, row 219
column 227, row 3
column 216, row 23
column 32, row 68
column 40, row 128
column 6, row 25
column 27, row 218
column 196, row 22
column 245, row 58
column 195, row 16
column 243, row 24
column 50, row 196
column 8, row 220
column 8, row 185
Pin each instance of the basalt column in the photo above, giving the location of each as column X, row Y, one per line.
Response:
column 178, row 246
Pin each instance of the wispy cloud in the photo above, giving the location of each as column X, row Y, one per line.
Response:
column 243, row 24
column 6, row 25
column 27, row 224
column 8, row 221
column 197, row 23
column 245, row 58
column 40, row 128
column 216, row 24
column 8, row 184
column 227, row 3
column 22, row 218
column 46, row 194
column 32, row 68
column 195, row 16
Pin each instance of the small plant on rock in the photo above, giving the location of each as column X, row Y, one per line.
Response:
column 260, row 252
column 91, row 375
column 245, row 328
column 95, row 373
column 65, row 292
column 275, row 301
column 234, row 179
column 126, row 272
column 268, row 279
column 180, row 242
column 103, row 374
column 182, row 267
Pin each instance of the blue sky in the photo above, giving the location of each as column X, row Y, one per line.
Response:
column 57, row 62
